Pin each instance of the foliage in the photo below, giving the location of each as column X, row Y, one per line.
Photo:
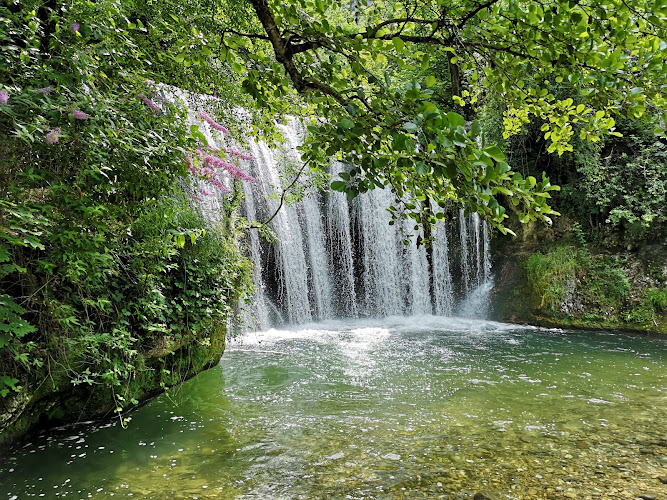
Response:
column 657, row 298
column 549, row 275
column 97, row 260
column 614, row 185
column 377, row 84
column 607, row 54
column 627, row 183
column 569, row 283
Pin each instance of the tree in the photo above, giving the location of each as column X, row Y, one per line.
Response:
column 609, row 53
column 347, row 75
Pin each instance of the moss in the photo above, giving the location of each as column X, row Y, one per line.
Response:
column 55, row 401
column 568, row 285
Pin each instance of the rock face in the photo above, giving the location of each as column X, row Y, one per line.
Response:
column 571, row 303
column 605, row 287
column 49, row 399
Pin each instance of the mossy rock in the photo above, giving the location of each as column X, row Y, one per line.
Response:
column 49, row 399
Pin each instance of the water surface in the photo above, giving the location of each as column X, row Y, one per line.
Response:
column 421, row 407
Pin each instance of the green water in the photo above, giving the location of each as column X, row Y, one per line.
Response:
column 400, row 408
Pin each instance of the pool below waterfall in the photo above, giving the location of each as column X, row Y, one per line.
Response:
column 419, row 407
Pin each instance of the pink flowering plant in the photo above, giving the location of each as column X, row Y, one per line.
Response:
column 91, row 184
column 215, row 166
column 53, row 136
column 212, row 123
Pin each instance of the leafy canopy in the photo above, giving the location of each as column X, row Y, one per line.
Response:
column 343, row 61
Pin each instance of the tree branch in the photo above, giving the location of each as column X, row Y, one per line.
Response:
column 282, row 198
column 474, row 12
column 245, row 35
column 285, row 55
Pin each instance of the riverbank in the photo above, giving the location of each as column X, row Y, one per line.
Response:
column 48, row 398
column 553, row 277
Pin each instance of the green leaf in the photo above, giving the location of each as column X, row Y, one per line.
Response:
column 475, row 129
column 346, row 124
column 398, row 44
column 399, row 143
column 4, row 253
column 455, row 119
column 410, row 127
column 495, row 153
column 430, row 81
column 421, row 168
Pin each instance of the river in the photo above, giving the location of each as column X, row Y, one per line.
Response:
column 417, row 407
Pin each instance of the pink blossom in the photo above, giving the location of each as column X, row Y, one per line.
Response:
column 53, row 136
column 210, row 175
column 193, row 197
column 215, row 125
column 4, row 97
column 212, row 161
column 191, row 165
column 204, row 192
column 150, row 104
column 79, row 115
column 75, row 27
column 217, row 183
column 45, row 90
column 232, row 169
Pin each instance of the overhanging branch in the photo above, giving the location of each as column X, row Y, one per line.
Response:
column 285, row 55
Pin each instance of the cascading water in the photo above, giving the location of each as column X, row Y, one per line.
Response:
column 416, row 296
column 310, row 214
column 476, row 257
column 334, row 258
column 351, row 262
column 380, row 277
column 443, row 293
column 339, row 238
column 291, row 269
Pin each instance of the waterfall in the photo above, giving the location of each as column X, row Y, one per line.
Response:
column 442, row 277
column 314, row 237
column 381, row 276
column 339, row 238
column 465, row 252
column 416, row 294
column 291, row 272
column 475, row 266
column 333, row 258
column 260, row 320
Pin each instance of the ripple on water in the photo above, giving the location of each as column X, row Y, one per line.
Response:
column 405, row 407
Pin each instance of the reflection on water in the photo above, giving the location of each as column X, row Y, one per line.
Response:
column 421, row 407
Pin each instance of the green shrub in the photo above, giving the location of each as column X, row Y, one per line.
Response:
column 97, row 259
column 657, row 298
column 600, row 284
column 549, row 273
